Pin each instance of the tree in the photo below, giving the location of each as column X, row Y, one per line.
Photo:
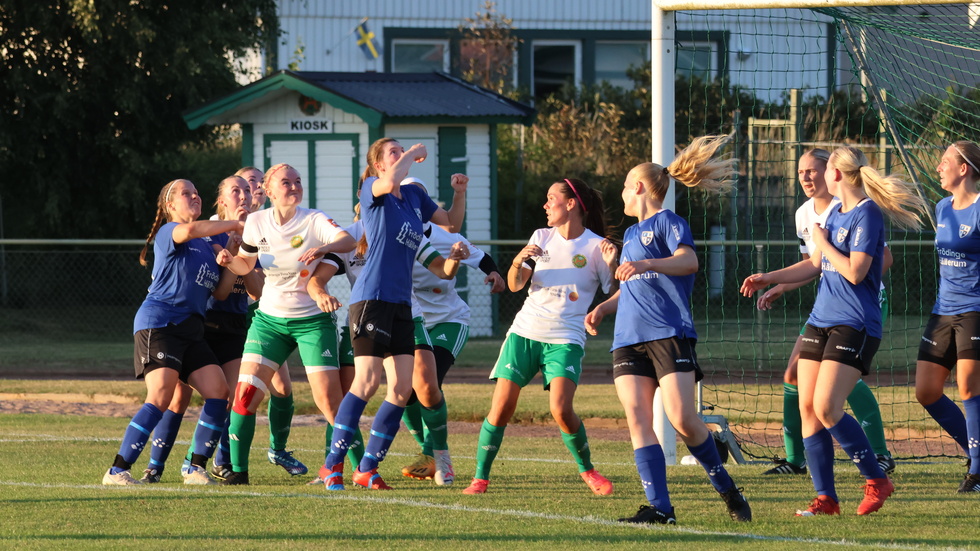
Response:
column 92, row 96
column 487, row 47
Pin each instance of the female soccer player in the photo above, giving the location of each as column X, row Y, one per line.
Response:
column 287, row 318
column 654, row 339
column 950, row 337
column 844, row 328
column 863, row 403
column 169, row 331
column 566, row 264
column 381, row 326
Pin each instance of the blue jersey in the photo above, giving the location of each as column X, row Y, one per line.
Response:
column 184, row 275
column 958, row 245
column 652, row 305
column 394, row 231
column 862, row 229
column 237, row 301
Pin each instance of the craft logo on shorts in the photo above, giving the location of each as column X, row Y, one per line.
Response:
column 159, row 355
column 296, row 241
column 841, row 235
column 964, row 230
column 579, row 261
column 309, row 106
column 573, row 296
column 369, row 327
column 646, row 237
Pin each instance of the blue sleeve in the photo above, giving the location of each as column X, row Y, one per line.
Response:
column 679, row 233
column 868, row 226
column 427, row 206
column 163, row 242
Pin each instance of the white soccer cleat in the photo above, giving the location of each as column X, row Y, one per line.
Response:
column 124, row 478
column 197, row 476
column 444, row 468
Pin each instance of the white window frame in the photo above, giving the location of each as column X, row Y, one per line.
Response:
column 576, row 44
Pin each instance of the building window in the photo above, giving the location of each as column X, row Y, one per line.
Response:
column 419, row 55
column 555, row 63
column 612, row 59
column 697, row 59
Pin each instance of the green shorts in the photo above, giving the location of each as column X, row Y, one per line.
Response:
column 422, row 341
column 271, row 340
column 520, row 360
column 346, row 348
column 451, row 336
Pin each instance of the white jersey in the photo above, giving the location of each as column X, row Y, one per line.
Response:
column 563, row 284
column 278, row 248
column 436, row 297
column 806, row 217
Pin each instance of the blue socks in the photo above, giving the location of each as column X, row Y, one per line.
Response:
column 164, row 436
column 223, row 454
column 972, row 407
column 851, row 437
column 209, row 427
column 383, row 431
column 820, row 460
column 137, row 434
column 707, row 454
column 345, row 424
column 652, row 466
column 951, row 419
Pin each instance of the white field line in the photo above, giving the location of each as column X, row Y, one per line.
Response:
column 344, row 496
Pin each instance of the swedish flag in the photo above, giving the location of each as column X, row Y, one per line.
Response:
column 365, row 39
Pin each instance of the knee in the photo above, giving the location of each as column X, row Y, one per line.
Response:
column 789, row 377
column 565, row 417
column 249, row 393
column 827, row 416
column 927, row 394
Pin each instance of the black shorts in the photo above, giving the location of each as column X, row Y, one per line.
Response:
column 841, row 344
column 381, row 329
column 657, row 358
column 180, row 347
column 950, row 338
column 225, row 333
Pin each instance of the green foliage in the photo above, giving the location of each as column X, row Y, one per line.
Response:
column 486, row 49
column 93, row 94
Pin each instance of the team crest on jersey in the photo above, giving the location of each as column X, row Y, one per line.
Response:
column 646, row 237
column 579, row 261
column 964, row 230
column 296, row 241
column 841, row 235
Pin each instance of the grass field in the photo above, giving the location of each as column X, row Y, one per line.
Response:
column 51, row 467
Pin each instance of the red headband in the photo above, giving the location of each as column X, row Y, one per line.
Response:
column 577, row 196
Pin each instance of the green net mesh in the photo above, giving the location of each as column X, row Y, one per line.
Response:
column 897, row 82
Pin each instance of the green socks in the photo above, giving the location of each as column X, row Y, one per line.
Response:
column 793, row 426
column 578, row 445
column 240, row 434
column 487, row 448
column 865, row 407
column 412, row 417
column 280, row 421
column 436, row 428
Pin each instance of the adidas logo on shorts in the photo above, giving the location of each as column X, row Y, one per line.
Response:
column 326, row 354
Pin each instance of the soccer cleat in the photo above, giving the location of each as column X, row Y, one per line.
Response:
column 444, row 468
column 785, row 467
column 150, row 476
column 821, row 505
column 876, row 491
column 236, row 479
column 651, row 515
column 370, row 480
column 886, row 463
column 424, row 468
column 478, row 486
column 599, row 484
column 122, row 478
column 220, row 472
column 738, row 507
column 198, row 476
column 333, row 478
column 286, row 460
column 185, row 467
column 971, row 484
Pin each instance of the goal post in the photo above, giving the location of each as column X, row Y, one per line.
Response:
column 895, row 80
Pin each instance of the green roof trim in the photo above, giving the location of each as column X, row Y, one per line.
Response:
column 281, row 80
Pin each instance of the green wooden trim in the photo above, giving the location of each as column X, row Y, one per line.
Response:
column 494, row 299
column 284, row 79
column 248, row 144
column 311, row 139
column 451, row 143
column 588, row 60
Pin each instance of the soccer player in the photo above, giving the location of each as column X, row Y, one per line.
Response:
column 844, row 329
column 654, row 338
column 566, row 263
column 819, row 204
column 287, row 318
column 950, row 336
column 169, row 331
